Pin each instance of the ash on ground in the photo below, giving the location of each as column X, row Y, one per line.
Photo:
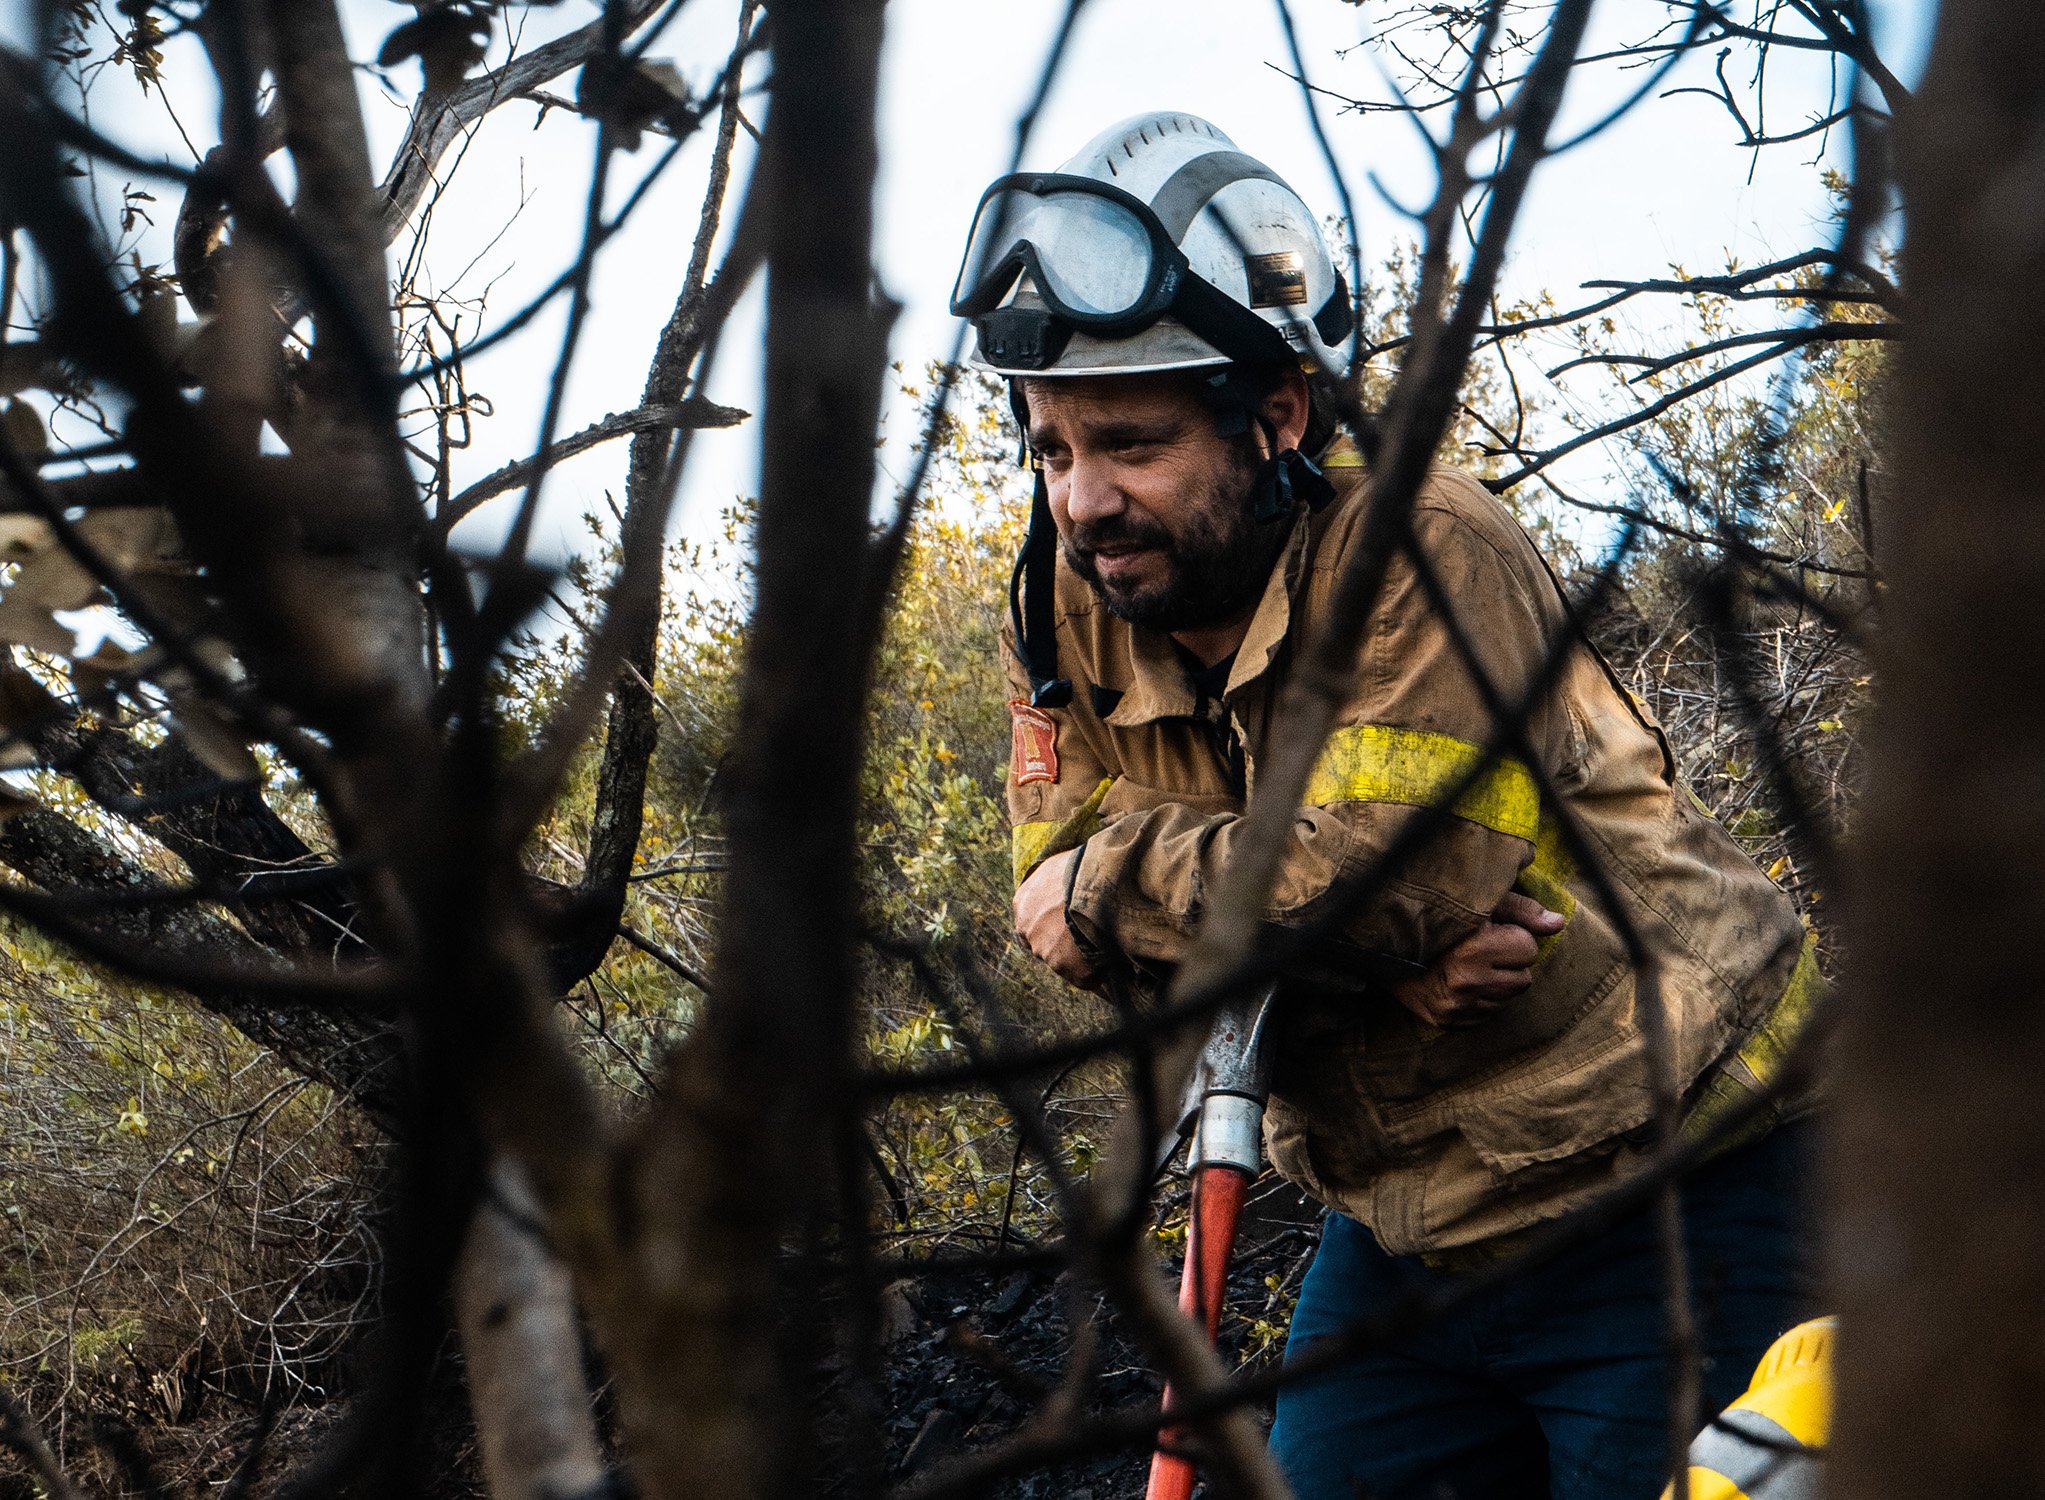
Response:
column 970, row 1358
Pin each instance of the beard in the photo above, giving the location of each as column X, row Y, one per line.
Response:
column 1217, row 560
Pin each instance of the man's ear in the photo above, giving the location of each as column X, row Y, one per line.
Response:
column 1288, row 409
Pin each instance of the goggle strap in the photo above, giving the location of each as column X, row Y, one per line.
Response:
column 1178, row 203
column 1228, row 325
column 1039, row 636
column 1337, row 319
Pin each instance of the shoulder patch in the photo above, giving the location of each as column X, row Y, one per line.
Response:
column 1035, row 754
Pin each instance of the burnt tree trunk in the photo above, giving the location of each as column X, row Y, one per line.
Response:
column 1940, row 1248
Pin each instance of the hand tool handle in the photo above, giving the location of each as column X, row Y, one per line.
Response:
column 1217, row 1209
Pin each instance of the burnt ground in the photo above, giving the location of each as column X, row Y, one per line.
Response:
column 968, row 1358
column 971, row 1358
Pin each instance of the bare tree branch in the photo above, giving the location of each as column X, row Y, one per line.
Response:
column 641, row 419
column 438, row 122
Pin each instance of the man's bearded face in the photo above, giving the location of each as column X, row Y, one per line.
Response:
column 1212, row 562
column 1152, row 504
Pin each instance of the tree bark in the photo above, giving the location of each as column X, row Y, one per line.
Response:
column 352, row 1053
column 1940, row 1207
column 522, row 1342
column 717, row 1345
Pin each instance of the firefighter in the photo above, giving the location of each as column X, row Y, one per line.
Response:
column 1462, row 1053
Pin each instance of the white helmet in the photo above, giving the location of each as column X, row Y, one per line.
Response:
column 1158, row 247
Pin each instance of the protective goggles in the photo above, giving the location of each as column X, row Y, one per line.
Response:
column 1103, row 263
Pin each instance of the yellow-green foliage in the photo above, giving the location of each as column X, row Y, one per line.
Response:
column 182, row 1216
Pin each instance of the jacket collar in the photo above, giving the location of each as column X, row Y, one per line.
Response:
column 1158, row 687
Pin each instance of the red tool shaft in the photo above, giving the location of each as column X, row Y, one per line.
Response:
column 1217, row 1209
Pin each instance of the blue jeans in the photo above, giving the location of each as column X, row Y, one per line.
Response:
column 1556, row 1384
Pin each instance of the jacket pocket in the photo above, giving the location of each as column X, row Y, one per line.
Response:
column 1406, row 1062
column 1595, row 1089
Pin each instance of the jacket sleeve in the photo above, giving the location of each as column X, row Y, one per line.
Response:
column 1414, row 728
column 1057, row 780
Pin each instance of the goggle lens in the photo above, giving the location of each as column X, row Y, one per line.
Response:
column 1092, row 257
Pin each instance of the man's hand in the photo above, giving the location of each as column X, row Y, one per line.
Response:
column 1475, row 978
column 1040, row 920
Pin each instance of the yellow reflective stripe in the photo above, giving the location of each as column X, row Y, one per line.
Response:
column 1343, row 458
column 1762, row 1054
column 1546, row 878
column 1030, row 844
column 1377, row 763
column 1027, row 843
column 1722, row 1095
column 1769, row 1045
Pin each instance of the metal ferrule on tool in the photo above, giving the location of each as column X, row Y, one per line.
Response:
column 1223, row 1107
column 1229, row 1133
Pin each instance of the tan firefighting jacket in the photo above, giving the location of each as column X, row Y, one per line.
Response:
column 1435, row 1139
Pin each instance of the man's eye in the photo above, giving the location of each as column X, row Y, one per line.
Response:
column 1137, row 447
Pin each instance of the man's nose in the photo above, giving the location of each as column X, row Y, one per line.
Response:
column 1091, row 492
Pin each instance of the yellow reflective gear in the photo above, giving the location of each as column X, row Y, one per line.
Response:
column 1546, row 878
column 1766, row 1049
column 1030, row 844
column 1762, row 1055
column 1378, row 763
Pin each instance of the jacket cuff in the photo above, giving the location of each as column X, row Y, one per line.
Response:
column 1086, row 933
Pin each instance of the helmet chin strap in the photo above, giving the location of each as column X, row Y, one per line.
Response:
column 1031, row 587
column 1284, row 477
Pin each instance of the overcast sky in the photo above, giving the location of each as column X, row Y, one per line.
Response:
column 1667, row 187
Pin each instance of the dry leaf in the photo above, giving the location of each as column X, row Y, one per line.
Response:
column 20, row 536
column 25, row 625
column 448, row 42
column 91, row 675
column 141, row 542
column 629, row 97
column 209, row 736
column 24, row 701
column 25, row 704
column 139, row 539
column 52, row 580
column 23, row 425
column 48, row 582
